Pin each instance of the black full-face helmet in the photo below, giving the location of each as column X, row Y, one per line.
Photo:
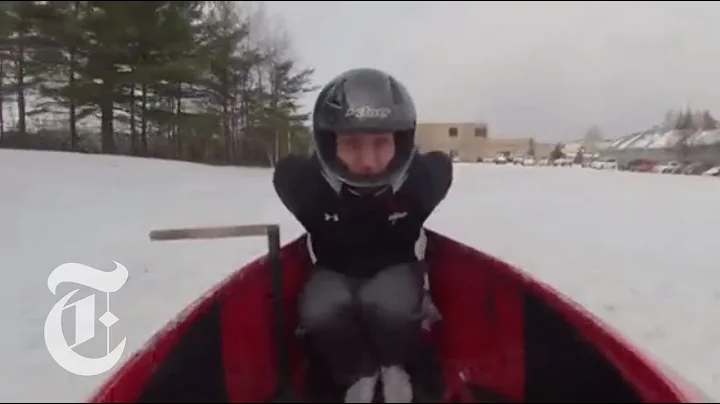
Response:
column 364, row 101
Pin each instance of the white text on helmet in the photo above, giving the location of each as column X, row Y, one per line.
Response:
column 365, row 112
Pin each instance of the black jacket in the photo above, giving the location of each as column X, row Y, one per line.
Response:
column 359, row 235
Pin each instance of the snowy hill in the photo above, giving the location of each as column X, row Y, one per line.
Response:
column 704, row 138
column 638, row 250
column 655, row 139
column 652, row 139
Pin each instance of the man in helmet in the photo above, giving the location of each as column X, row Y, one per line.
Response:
column 363, row 197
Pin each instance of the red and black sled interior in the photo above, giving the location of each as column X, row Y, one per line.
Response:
column 503, row 337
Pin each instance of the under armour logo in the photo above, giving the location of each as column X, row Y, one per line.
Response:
column 333, row 217
column 395, row 216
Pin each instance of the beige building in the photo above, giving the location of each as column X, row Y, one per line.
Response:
column 470, row 141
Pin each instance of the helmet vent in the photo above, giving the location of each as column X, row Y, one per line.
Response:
column 397, row 94
column 336, row 97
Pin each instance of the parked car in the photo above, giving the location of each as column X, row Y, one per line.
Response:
column 641, row 165
column 500, row 159
column 666, row 168
column 562, row 162
column 679, row 169
column 597, row 164
column 528, row 161
column 606, row 164
column 696, row 168
column 713, row 172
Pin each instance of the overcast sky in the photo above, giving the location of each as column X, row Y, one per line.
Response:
column 543, row 69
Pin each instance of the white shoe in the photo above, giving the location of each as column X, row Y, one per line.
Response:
column 363, row 391
column 397, row 387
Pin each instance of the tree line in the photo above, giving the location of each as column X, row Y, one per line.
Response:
column 208, row 81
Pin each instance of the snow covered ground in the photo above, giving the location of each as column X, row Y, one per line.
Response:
column 639, row 250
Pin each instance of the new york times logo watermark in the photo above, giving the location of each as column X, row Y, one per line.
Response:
column 56, row 341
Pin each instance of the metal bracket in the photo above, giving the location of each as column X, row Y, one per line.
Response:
column 187, row 233
column 272, row 232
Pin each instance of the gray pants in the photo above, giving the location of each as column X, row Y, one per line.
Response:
column 357, row 325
